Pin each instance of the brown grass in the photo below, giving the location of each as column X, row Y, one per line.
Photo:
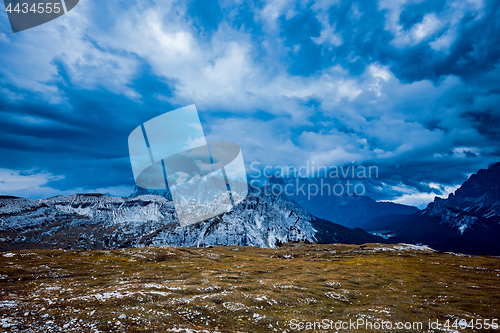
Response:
column 241, row 289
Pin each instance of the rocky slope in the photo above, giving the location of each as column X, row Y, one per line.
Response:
column 467, row 221
column 96, row 221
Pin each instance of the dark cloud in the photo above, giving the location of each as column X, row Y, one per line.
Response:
column 305, row 56
column 206, row 15
column 413, row 13
column 435, row 121
column 474, row 51
column 84, row 139
column 487, row 122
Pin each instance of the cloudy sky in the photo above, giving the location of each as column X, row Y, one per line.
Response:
column 410, row 86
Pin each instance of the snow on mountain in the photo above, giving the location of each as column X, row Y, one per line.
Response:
column 477, row 201
column 467, row 221
column 99, row 221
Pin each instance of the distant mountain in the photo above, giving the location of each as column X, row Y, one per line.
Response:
column 467, row 221
column 138, row 191
column 97, row 221
column 353, row 211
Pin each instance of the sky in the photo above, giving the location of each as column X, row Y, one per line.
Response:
column 409, row 86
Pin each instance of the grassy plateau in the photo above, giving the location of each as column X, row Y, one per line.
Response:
column 247, row 289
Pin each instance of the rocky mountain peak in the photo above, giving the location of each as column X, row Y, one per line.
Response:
column 106, row 222
column 480, row 191
column 467, row 221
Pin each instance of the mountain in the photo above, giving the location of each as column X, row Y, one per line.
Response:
column 97, row 221
column 354, row 211
column 138, row 191
column 467, row 221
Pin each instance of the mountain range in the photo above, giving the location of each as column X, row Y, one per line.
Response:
column 97, row 221
column 467, row 221
column 354, row 211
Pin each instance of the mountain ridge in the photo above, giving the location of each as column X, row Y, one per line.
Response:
column 97, row 221
column 468, row 221
column 353, row 211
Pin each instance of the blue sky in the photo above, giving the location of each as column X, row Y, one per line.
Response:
column 410, row 86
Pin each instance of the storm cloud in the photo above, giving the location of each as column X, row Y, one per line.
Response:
column 410, row 86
